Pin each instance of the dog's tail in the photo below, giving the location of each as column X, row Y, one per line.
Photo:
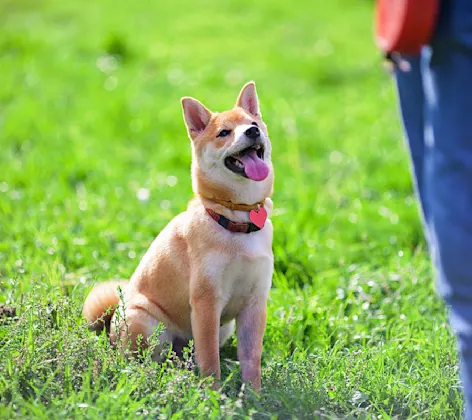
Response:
column 100, row 304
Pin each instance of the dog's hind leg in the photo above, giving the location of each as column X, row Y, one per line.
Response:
column 226, row 331
column 132, row 332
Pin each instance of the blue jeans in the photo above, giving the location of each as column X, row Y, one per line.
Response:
column 436, row 107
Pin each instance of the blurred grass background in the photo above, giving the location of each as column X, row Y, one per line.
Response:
column 94, row 162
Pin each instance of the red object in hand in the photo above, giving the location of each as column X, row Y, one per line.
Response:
column 404, row 26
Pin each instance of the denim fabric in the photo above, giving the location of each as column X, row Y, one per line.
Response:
column 436, row 107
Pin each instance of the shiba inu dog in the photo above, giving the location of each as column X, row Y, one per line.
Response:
column 210, row 269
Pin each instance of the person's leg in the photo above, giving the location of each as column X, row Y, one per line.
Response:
column 410, row 95
column 448, row 185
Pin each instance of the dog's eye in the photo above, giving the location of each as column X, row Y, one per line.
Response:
column 254, row 123
column 224, row 133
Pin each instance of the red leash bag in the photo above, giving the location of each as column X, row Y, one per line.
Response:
column 404, row 26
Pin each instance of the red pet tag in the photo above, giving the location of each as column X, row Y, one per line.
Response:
column 258, row 217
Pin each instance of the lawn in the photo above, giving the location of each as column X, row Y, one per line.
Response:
column 94, row 162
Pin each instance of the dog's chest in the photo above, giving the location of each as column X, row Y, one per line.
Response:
column 246, row 276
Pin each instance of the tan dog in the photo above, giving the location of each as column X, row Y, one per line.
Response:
column 212, row 264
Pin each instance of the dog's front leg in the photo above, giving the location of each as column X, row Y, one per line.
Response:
column 205, row 330
column 250, row 325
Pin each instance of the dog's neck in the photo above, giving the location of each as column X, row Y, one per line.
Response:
column 237, row 212
column 234, row 203
column 236, row 206
column 235, row 190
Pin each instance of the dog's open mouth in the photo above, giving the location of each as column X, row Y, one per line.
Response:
column 249, row 163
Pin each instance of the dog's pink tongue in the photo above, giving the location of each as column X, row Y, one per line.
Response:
column 254, row 166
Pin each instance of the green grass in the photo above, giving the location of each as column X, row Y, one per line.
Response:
column 90, row 113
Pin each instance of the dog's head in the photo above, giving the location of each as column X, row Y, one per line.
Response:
column 231, row 150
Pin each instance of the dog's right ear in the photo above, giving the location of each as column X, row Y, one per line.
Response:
column 196, row 116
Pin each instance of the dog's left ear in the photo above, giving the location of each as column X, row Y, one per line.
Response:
column 248, row 100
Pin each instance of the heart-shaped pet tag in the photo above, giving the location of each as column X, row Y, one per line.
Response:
column 258, row 217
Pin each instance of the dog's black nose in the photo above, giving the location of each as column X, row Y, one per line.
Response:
column 253, row 132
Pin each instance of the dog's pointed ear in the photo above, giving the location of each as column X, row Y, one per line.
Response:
column 196, row 116
column 248, row 100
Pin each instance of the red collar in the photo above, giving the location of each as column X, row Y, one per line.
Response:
column 233, row 226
